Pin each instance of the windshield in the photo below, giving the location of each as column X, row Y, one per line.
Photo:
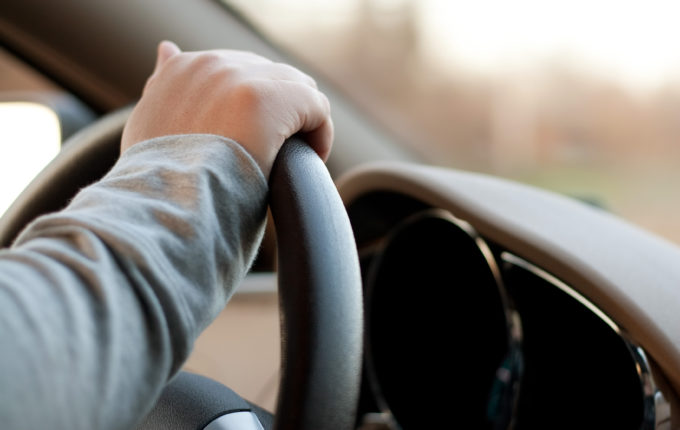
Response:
column 581, row 97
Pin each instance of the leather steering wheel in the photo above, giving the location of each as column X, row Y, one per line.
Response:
column 319, row 285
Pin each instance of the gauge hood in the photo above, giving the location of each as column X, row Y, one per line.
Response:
column 630, row 274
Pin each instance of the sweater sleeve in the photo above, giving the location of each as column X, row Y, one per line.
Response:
column 100, row 303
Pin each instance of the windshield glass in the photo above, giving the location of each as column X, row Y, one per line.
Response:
column 581, row 97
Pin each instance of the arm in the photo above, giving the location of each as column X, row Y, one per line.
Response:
column 100, row 303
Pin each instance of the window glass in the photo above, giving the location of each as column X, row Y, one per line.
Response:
column 29, row 132
column 581, row 97
column 29, row 139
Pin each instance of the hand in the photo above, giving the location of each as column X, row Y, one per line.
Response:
column 235, row 94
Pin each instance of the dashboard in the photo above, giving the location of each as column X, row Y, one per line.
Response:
column 466, row 331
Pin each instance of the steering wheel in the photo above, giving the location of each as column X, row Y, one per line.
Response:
column 319, row 287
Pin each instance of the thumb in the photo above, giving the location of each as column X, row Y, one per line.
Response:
column 166, row 50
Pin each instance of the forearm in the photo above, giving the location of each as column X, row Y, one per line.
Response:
column 100, row 303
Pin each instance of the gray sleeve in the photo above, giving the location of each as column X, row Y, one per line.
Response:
column 100, row 304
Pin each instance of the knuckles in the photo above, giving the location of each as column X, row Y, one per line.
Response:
column 235, row 94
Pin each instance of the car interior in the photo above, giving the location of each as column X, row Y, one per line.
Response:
column 436, row 297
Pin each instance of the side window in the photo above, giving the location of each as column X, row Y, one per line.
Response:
column 29, row 139
column 31, row 130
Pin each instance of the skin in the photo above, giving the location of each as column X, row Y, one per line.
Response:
column 235, row 94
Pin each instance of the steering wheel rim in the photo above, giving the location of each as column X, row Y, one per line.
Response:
column 319, row 277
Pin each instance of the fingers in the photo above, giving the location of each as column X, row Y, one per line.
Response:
column 308, row 107
column 316, row 124
column 289, row 72
column 321, row 139
column 235, row 94
column 256, row 67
